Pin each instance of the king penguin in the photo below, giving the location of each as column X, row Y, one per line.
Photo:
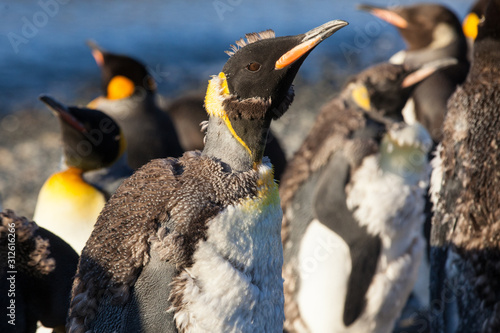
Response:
column 130, row 98
column 67, row 204
column 188, row 113
column 431, row 32
column 353, row 199
column 193, row 244
column 36, row 274
column 465, row 238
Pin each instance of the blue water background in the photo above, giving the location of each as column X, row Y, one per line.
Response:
column 182, row 42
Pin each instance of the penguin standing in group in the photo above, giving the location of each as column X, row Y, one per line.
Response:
column 36, row 275
column 188, row 114
column 353, row 206
column 68, row 204
column 193, row 244
column 130, row 98
column 465, row 238
column 432, row 32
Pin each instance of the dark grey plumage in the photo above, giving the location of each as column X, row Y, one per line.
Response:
column 465, row 237
column 149, row 131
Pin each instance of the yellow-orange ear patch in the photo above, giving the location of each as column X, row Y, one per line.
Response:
column 470, row 25
column 361, row 97
column 120, row 87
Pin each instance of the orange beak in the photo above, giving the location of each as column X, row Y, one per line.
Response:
column 310, row 40
column 387, row 15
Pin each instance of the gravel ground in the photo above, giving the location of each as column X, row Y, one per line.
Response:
column 30, row 149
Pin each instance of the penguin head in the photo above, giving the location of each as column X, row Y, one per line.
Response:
column 385, row 88
column 91, row 139
column 122, row 76
column 422, row 25
column 474, row 17
column 264, row 67
column 489, row 27
column 253, row 88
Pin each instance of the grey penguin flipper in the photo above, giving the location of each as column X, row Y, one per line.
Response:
column 147, row 309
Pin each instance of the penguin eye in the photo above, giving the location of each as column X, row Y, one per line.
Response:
column 253, row 66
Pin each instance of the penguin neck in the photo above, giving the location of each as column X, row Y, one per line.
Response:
column 237, row 141
column 223, row 142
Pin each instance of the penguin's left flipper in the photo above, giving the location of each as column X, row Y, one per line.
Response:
column 148, row 304
column 330, row 208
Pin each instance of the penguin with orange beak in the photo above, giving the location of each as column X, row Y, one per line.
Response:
column 129, row 96
column 193, row 244
column 432, row 32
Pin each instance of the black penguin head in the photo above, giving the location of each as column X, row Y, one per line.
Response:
column 421, row 25
column 385, row 88
column 121, row 75
column 91, row 139
column 489, row 27
column 264, row 66
column 474, row 17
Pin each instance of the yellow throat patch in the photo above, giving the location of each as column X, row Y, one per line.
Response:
column 216, row 92
column 69, row 185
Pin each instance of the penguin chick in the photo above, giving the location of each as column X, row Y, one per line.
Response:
column 193, row 244
column 36, row 270
column 353, row 199
column 431, row 32
column 129, row 97
column 67, row 203
column 465, row 237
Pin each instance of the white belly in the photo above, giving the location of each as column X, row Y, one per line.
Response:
column 235, row 284
column 324, row 270
column 390, row 208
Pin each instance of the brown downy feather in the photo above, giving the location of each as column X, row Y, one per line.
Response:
column 32, row 252
column 163, row 207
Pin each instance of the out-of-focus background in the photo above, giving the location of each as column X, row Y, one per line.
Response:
column 43, row 50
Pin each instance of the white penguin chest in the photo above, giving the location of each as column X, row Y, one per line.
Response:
column 235, row 283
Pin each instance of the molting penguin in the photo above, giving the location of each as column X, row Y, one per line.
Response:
column 36, row 272
column 465, row 238
column 129, row 97
column 193, row 244
column 67, row 203
column 352, row 199
column 432, row 32
column 188, row 113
